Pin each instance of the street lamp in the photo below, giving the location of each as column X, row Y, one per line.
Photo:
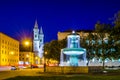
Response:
column 27, row 44
column 45, row 61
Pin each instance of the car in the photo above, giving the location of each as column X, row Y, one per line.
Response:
column 14, row 68
column 34, row 66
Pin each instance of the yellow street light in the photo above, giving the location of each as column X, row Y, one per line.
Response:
column 28, row 47
column 27, row 43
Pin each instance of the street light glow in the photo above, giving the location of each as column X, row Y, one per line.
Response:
column 27, row 43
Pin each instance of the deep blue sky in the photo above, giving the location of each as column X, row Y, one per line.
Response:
column 17, row 17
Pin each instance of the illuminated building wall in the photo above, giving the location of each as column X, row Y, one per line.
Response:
column 26, row 58
column 83, row 34
column 63, row 35
column 9, row 51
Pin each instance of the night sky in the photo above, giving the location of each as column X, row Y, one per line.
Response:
column 17, row 17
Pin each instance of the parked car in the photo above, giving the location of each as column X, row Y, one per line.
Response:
column 34, row 66
column 14, row 68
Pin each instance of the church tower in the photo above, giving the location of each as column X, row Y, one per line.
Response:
column 36, row 37
column 38, row 40
column 41, row 37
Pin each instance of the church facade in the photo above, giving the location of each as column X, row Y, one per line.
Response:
column 38, row 41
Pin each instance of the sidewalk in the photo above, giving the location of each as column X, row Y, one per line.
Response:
column 5, row 68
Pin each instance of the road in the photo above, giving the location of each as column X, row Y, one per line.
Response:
column 22, row 72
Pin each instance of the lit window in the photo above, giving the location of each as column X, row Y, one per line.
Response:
column 5, row 42
column 2, row 51
column 27, row 59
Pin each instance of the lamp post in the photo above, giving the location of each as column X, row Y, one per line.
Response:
column 27, row 44
column 45, row 61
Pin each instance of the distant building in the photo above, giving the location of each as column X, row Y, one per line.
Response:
column 82, row 33
column 9, row 51
column 26, row 58
column 38, row 41
column 63, row 35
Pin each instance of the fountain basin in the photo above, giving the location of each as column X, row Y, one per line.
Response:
column 73, row 51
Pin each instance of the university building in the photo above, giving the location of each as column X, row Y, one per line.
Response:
column 9, row 51
column 63, row 35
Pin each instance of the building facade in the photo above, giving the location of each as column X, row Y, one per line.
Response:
column 27, row 58
column 9, row 51
column 38, row 41
column 63, row 35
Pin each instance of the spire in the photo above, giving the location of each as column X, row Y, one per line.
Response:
column 36, row 24
column 41, row 31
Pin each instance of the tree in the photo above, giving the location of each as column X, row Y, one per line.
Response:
column 108, row 39
column 117, row 20
column 115, row 36
column 102, row 47
column 87, row 43
column 53, row 49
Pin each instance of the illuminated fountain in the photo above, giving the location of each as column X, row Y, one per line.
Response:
column 73, row 55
